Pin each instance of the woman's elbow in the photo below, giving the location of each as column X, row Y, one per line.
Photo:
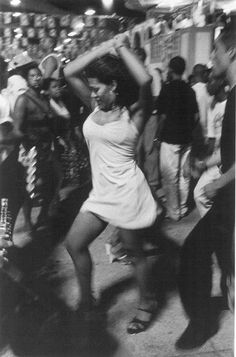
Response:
column 66, row 72
column 146, row 82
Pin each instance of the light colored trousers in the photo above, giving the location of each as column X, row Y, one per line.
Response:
column 203, row 203
column 175, row 185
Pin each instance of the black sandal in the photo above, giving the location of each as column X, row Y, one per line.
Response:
column 137, row 325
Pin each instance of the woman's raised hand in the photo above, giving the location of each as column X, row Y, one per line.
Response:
column 119, row 41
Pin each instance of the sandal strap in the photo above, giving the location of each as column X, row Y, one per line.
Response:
column 149, row 311
column 144, row 324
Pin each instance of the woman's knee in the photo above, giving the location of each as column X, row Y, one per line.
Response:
column 75, row 242
column 83, row 231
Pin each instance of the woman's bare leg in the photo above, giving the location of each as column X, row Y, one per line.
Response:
column 84, row 230
column 143, row 265
column 133, row 241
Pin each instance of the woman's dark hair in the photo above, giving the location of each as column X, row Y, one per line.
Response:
column 47, row 82
column 24, row 70
column 110, row 68
column 227, row 36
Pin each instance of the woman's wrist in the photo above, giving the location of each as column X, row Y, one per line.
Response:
column 202, row 165
column 119, row 46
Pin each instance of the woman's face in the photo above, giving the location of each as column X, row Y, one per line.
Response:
column 103, row 93
column 34, row 78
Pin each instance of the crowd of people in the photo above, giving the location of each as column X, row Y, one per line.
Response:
column 108, row 169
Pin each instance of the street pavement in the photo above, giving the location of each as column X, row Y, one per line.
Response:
column 41, row 318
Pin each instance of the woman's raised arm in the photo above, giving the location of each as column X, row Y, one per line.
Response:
column 142, row 78
column 75, row 68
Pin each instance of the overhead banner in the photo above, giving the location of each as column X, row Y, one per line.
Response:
column 164, row 47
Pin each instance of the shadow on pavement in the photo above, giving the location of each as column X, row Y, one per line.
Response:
column 43, row 326
column 164, row 277
column 35, row 322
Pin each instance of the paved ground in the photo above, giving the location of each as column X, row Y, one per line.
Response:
column 48, row 327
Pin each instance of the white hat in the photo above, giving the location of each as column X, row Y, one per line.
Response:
column 16, row 83
column 4, row 110
column 19, row 60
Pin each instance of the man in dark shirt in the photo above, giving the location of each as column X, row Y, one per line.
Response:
column 178, row 112
column 214, row 233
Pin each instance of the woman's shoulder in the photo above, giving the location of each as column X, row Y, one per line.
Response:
column 134, row 111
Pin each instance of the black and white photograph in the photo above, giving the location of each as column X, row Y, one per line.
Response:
column 117, row 178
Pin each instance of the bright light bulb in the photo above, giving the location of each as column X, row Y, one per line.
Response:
column 58, row 48
column 67, row 40
column 72, row 34
column 79, row 26
column 90, row 12
column 15, row 2
column 107, row 3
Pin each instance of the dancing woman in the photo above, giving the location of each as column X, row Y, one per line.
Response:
column 120, row 194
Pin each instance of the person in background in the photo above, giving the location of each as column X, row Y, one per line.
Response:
column 61, row 116
column 191, row 80
column 11, row 173
column 51, row 64
column 216, row 89
column 214, row 233
column 203, row 98
column 178, row 115
column 147, row 149
column 16, row 85
column 3, row 73
column 72, row 162
column 120, row 195
column 32, row 118
column 74, row 180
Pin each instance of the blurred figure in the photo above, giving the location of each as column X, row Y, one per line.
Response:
column 216, row 89
column 74, row 179
column 214, row 233
column 16, row 85
column 32, row 118
column 3, row 73
column 191, row 80
column 178, row 115
column 147, row 148
column 61, row 116
column 51, row 63
column 11, row 173
column 203, row 99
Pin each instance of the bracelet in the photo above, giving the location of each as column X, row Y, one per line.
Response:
column 120, row 47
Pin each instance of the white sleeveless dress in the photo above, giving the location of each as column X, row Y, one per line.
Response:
column 120, row 195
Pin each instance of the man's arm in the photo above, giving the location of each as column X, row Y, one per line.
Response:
column 212, row 188
column 49, row 65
